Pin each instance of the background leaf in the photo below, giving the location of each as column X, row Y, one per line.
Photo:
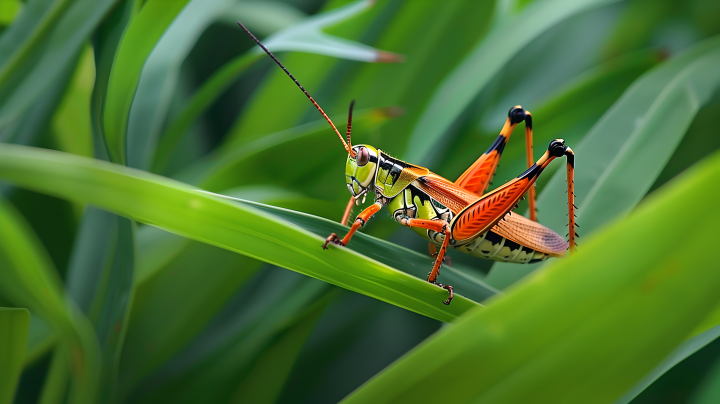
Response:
column 14, row 325
column 137, row 43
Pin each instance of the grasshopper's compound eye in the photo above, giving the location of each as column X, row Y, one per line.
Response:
column 363, row 156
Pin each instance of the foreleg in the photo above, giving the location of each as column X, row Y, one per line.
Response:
column 348, row 209
column 360, row 221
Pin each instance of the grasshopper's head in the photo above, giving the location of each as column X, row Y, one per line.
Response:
column 360, row 169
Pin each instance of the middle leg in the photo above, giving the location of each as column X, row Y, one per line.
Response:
column 439, row 226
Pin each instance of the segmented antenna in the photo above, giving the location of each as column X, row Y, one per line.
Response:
column 349, row 125
column 347, row 145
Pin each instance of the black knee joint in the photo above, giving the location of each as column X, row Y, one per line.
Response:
column 557, row 148
column 516, row 115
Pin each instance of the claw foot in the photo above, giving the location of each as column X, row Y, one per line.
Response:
column 333, row 238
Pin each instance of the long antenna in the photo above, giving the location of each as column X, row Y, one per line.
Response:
column 347, row 146
column 349, row 125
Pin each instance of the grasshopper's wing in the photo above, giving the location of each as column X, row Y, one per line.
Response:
column 446, row 192
column 515, row 227
column 531, row 234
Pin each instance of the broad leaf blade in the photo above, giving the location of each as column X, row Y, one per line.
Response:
column 176, row 207
column 555, row 328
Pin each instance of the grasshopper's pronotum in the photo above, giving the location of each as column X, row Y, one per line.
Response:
column 458, row 214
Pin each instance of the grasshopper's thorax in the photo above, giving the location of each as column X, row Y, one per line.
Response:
column 360, row 171
column 394, row 175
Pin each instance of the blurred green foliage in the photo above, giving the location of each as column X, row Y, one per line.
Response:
column 141, row 288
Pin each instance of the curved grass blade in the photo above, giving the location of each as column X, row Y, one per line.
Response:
column 53, row 45
column 619, row 160
column 28, row 278
column 178, row 208
column 137, row 42
column 390, row 254
column 550, row 332
column 105, row 43
column 71, row 123
column 172, row 272
column 492, row 53
column 14, row 324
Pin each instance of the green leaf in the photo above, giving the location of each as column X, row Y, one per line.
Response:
column 28, row 127
column 53, row 44
column 177, row 302
column 114, row 301
column 232, row 345
column 137, row 42
column 71, row 123
column 272, row 369
column 14, row 324
column 41, row 338
column 106, row 41
column 687, row 348
column 57, row 380
column 160, row 75
column 198, row 215
column 619, row 160
column 411, row 262
column 708, row 392
column 550, row 332
column 28, row 278
column 460, row 87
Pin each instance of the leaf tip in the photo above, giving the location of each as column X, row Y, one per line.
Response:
column 388, row 57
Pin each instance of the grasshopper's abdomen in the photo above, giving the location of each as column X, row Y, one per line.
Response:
column 414, row 203
column 492, row 246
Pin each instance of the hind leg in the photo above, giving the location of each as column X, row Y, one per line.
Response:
column 478, row 176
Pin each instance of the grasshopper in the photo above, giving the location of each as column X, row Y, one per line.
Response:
column 460, row 214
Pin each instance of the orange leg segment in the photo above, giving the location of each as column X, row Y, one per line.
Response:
column 360, row 221
column 348, row 209
column 439, row 226
column 433, row 253
column 529, row 151
column 477, row 177
column 571, row 199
